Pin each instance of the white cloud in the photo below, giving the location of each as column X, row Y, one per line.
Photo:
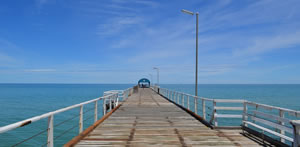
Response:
column 116, row 25
column 40, row 70
column 270, row 43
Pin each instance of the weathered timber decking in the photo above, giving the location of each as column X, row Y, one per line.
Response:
column 147, row 119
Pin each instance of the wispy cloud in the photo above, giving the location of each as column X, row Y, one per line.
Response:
column 270, row 43
column 40, row 70
column 117, row 25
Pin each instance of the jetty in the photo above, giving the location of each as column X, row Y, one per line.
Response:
column 148, row 119
column 161, row 117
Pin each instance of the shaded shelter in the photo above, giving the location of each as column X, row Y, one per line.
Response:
column 144, row 83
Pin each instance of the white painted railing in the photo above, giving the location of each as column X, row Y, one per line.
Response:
column 110, row 99
column 276, row 122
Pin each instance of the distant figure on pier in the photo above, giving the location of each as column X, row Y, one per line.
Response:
column 144, row 83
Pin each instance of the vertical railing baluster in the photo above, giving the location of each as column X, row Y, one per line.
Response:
column 81, row 119
column 104, row 106
column 173, row 94
column 177, row 95
column 188, row 102
column 110, row 103
column 196, row 103
column 281, row 114
column 50, row 142
column 182, row 99
column 296, row 132
column 214, row 113
column 203, row 109
column 96, row 111
column 244, row 113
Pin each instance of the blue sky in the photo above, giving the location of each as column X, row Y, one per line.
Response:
column 120, row 41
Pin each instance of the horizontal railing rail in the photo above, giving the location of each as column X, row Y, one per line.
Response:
column 110, row 99
column 278, row 123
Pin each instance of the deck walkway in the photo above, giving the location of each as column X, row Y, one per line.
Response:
column 147, row 119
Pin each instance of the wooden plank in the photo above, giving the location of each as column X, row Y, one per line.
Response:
column 147, row 119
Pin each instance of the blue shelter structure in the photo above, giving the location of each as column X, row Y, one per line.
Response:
column 144, row 83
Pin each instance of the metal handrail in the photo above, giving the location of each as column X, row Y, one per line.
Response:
column 282, row 123
column 112, row 97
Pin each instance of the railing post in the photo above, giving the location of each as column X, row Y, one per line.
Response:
column 182, row 99
column 214, row 113
column 96, row 111
column 244, row 113
column 50, row 132
column 81, row 119
column 296, row 127
column 173, row 96
column 281, row 114
column 104, row 106
column 178, row 98
column 110, row 104
column 196, row 103
column 188, row 102
column 203, row 109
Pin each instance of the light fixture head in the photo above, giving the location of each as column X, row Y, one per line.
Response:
column 187, row 12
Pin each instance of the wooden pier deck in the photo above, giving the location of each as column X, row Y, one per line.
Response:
column 148, row 119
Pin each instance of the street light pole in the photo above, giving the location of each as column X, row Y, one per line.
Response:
column 157, row 74
column 196, row 74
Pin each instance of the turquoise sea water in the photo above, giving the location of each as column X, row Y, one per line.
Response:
column 21, row 101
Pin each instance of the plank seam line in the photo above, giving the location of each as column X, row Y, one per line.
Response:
column 132, row 132
column 140, row 100
column 154, row 99
column 181, row 139
column 221, row 134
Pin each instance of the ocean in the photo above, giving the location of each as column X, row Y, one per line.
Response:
column 22, row 101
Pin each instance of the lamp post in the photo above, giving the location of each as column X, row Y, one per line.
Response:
column 196, row 76
column 157, row 74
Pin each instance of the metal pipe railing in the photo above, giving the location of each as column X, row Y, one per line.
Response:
column 111, row 96
column 282, row 126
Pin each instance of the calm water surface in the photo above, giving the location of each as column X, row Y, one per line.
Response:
column 21, row 101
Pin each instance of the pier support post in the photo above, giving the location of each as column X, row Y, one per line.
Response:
column 50, row 132
column 296, row 126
